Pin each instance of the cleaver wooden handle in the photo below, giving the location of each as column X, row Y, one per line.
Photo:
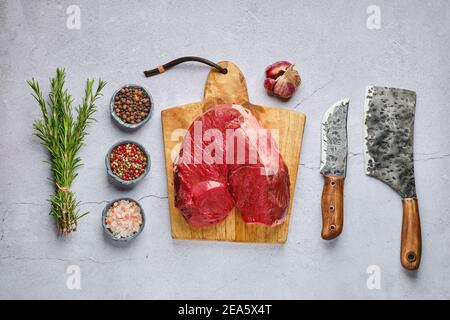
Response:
column 411, row 248
column 332, row 207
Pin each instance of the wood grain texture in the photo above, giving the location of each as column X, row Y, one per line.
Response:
column 231, row 88
column 332, row 207
column 411, row 246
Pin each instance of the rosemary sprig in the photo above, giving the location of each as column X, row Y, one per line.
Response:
column 63, row 135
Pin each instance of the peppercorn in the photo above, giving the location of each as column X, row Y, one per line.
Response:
column 128, row 161
column 132, row 105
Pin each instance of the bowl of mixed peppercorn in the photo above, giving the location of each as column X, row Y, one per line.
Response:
column 131, row 106
column 127, row 163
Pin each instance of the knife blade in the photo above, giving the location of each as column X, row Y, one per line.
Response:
column 333, row 167
column 389, row 157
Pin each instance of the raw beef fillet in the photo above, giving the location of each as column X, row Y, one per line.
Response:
column 256, row 181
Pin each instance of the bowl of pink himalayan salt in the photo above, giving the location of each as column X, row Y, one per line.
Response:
column 123, row 219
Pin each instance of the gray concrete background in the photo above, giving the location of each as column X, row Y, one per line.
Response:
column 337, row 56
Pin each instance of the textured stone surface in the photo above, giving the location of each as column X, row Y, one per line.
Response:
column 337, row 56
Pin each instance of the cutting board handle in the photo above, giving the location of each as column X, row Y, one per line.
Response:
column 411, row 247
column 225, row 88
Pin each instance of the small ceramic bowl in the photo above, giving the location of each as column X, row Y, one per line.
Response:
column 109, row 233
column 120, row 122
column 115, row 179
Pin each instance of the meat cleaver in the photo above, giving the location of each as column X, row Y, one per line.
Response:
column 333, row 166
column 389, row 136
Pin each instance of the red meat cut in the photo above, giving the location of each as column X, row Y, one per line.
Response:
column 227, row 159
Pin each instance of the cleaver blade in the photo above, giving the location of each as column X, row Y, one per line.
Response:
column 389, row 157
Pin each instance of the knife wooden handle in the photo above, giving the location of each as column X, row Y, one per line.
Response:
column 411, row 248
column 332, row 207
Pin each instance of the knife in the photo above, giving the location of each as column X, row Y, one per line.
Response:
column 389, row 136
column 333, row 167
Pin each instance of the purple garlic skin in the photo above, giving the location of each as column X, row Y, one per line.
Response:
column 269, row 84
column 277, row 69
column 282, row 79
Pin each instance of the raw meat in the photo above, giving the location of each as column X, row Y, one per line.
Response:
column 227, row 159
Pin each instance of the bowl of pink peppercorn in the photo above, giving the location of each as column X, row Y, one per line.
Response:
column 127, row 163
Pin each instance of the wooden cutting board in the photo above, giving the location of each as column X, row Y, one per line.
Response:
column 231, row 88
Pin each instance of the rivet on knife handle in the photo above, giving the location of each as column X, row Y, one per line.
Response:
column 411, row 247
column 332, row 207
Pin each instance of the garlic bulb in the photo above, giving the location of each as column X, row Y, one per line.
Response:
column 281, row 79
